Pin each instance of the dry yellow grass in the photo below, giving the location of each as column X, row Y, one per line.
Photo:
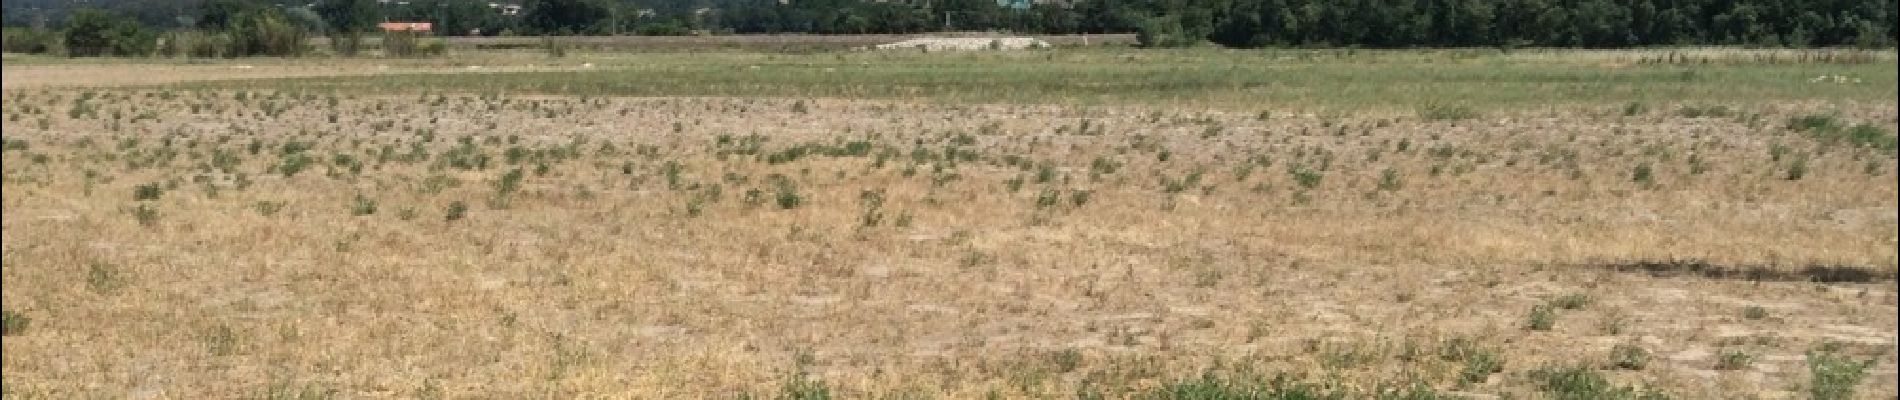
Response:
column 604, row 275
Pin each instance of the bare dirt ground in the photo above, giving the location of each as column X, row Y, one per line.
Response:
column 190, row 244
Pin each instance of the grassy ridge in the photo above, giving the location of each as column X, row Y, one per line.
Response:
column 1316, row 80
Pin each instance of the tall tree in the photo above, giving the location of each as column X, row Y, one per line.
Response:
column 562, row 16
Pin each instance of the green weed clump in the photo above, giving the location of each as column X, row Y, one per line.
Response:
column 1831, row 130
column 1629, row 356
column 13, row 323
column 1578, row 382
column 1833, row 376
column 1543, row 317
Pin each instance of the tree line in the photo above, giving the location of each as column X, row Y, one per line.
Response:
column 250, row 27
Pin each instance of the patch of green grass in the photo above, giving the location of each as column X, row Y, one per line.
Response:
column 1212, row 386
column 1579, row 382
column 13, row 323
column 802, row 387
column 1829, row 129
column 1386, row 80
column 1833, row 376
column 1705, row 111
column 105, row 278
column 1447, row 112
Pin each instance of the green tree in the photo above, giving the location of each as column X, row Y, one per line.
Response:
column 92, row 33
column 562, row 16
column 267, row 32
column 349, row 16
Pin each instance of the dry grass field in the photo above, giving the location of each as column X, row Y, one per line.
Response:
column 1578, row 225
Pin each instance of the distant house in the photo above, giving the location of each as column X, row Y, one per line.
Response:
column 506, row 8
column 417, row 27
column 1014, row 4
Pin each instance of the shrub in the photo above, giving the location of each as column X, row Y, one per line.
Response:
column 457, row 209
column 1573, row 301
column 410, row 44
column 1047, row 198
column 362, row 206
column 788, row 197
column 346, row 44
column 1754, row 312
column 149, row 191
column 1635, row 108
column 294, row 163
column 1629, row 356
column 509, row 183
column 1643, row 174
column 1581, row 382
column 1307, row 178
column 265, row 32
column 1479, row 365
column 1542, row 318
column 104, row 278
column 1834, row 376
column 26, row 40
column 13, row 323
column 1829, row 129
column 1079, row 197
column 1798, row 169
column 1389, row 180
column 1692, row 111
column 268, row 208
column 194, row 43
column 1045, row 173
column 803, row 387
column 1166, row 31
column 553, row 47
column 434, row 48
column 873, row 207
column 1733, row 359
column 146, row 215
